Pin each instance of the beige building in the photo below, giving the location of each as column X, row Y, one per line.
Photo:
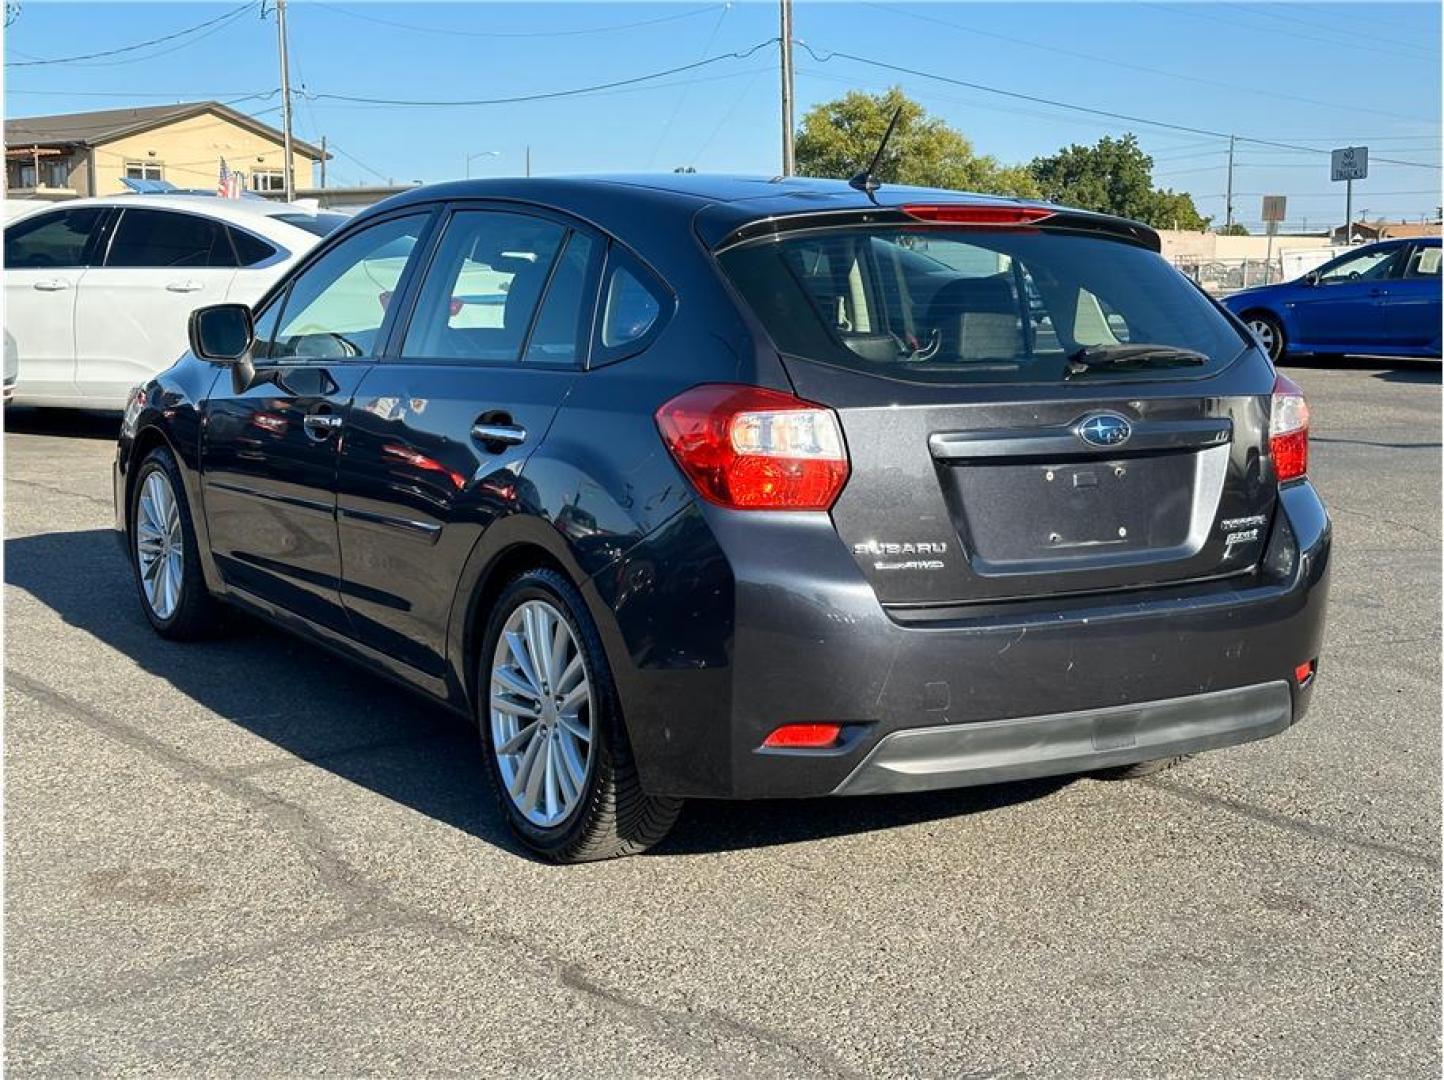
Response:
column 1366, row 232
column 75, row 154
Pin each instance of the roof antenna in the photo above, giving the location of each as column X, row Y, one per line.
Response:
column 867, row 181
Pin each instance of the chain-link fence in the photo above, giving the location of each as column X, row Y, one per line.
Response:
column 1223, row 276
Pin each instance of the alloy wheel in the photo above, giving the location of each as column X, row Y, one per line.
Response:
column 542, row 729
column 159, row 545
column 1264, row 331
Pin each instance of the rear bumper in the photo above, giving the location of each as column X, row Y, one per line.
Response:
column 992, row 751
column 974, row 693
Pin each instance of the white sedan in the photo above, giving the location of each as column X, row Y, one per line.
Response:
column 98, row 292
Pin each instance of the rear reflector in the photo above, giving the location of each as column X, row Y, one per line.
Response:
column 1289, row 430
column 1304, row 672
column 804, row 737
column 963, row 214
column 747, row 448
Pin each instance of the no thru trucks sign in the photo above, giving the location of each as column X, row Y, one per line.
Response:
column 1351, row 163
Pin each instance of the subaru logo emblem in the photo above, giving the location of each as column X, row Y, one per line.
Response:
column 1104, row 429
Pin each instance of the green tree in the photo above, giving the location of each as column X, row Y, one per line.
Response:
column 1115, row 177
column 838, row 138
column 1236, row 229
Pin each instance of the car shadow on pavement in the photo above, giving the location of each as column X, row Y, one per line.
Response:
column 67, row 423
column 337, row 716
column 1385, row 369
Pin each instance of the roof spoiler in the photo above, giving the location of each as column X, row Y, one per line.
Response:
column 1053, row 219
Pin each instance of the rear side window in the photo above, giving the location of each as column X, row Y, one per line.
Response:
column 633, row 304
column 162, row 239
column 315, row 224
column 51, row 241
column 483, row 287
column 944, row 304
column 250, row 250
column 1425, row 262
column 629, row 311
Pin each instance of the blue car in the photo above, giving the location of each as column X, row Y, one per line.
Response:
column 1381, row 299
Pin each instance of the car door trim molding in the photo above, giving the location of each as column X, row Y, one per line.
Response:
column 271, row 496
column 429, row 531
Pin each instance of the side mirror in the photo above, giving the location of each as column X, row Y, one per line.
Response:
column 222, row 333
column 1312, row 278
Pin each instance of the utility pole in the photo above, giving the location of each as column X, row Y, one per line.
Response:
column 1228, row 199
column 528, row 159
column 789, row 161
column 323, row 163
column 290, row 180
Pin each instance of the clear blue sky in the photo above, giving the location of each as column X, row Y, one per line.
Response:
column 1317, row 74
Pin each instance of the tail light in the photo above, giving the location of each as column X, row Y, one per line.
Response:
column 747, row 448
column 1289, row 430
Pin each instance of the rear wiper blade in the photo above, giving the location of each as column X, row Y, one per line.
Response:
column 1139, row 354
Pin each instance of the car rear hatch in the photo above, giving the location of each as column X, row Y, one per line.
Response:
column 1031, row 408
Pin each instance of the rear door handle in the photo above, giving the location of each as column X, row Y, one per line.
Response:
column 498, row 435
column 320, row 425
column 52, row 285
column 184, row 286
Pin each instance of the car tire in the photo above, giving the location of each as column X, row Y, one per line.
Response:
column 164, row 554
column 1270, row 333
column 569, row 799
column 1138, row 770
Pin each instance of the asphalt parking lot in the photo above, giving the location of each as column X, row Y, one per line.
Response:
column 246, row 858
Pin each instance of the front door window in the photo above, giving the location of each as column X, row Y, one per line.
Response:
column 1372, row 264
column 337, row 306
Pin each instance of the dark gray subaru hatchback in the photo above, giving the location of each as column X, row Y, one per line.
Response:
column 738, row 488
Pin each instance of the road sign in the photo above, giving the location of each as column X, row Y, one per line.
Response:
column 1274, row 207
column 1350, row 163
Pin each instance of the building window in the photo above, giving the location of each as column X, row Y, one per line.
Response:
column 144, row 170
column 268, row 180
column 56, row 173
column 22, row 175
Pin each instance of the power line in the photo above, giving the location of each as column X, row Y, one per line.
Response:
column 358, row 161
column 1035, row 99
column 549, row 94
column 638, row 89
column 736, row 102
column 1318, row 194
column 1114, row 63
column 682, row 97
column 234, row 95
column 1312, row 22
column 231, row 14
column 1308, row 165
column 452, row 32
column 1334, row 42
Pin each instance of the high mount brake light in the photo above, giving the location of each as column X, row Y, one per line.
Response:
column 963, row 214
column 1289, row 430
column 747, row 448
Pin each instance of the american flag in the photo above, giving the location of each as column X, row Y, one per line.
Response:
column 228, row 184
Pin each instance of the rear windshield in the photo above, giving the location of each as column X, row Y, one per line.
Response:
column 940, row 304
column 318, row 224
